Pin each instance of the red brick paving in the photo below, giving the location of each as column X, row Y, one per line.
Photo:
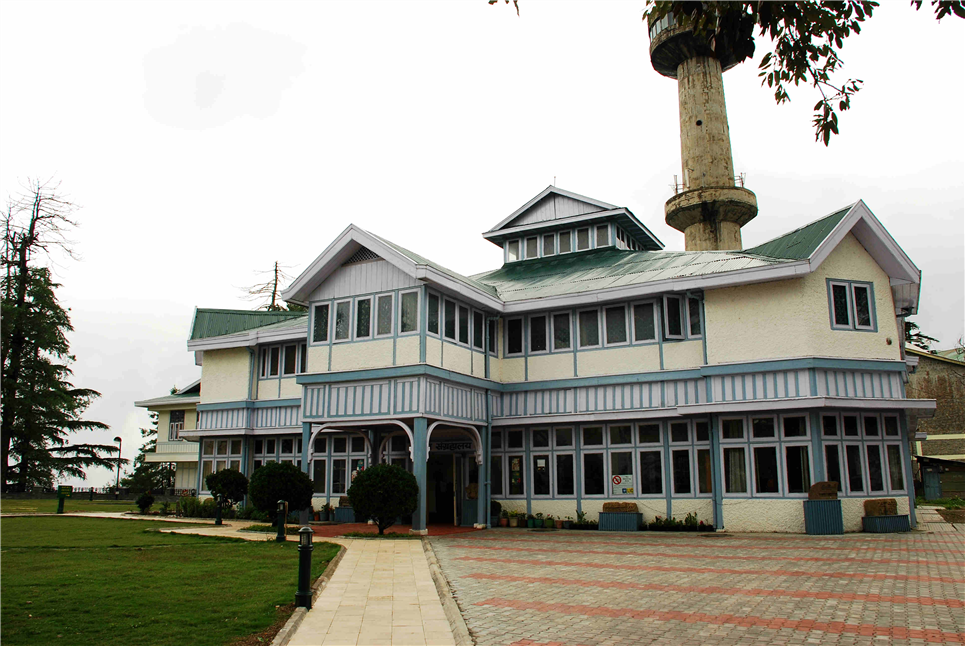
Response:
column 364, row 528
column 807, row 625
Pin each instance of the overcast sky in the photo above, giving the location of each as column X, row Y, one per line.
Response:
column 205, row 141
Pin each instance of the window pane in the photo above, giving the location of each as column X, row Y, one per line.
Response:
column 891, row 426
column 839, row 298
column 497, row 440
column 674, row 316
column 541, row 475
column 260, row 446
column 762, row 427
column 515, row 439
column 829, row 426
column 582, row 239
column 491, row 324
column 602, row 235
column 735, row 470
column 303, row 357
column 871, row 426
column 235, row 447
column 273, row 361
column 270, row 447
column 643, row 327
column 795, row 426
column 622, row 434
column 496, row 477
column 287, row 446
column 832, row 465
column 862, row 306
column 593, row 475
column 564, row 475
column 589, row 329
column 339, row 445
column 850, row 425
column 649, row 433
column 449, row 323
column 290, row 356
column 681, row 471
column 516, row 475
column 320, row 330
column 875, row 471
column 679, row 432
column 798, row 469
column 564, row 437
column 514, row 336
column 651, row 472
column 616, row 325
column 566, row 244
column 464, row 325
column 541, row 437
column 702, row 431
column 338, row 476
column 221, row 447
column 855, row 479
column 704, row 481
column 358, row 444
column 477, row 330
column 320, row 443
column 537, row 334
column 693, row 312
column 318, row 475
column 733, row 429
column 398, row 444
column 549, row 244
column 561, row 331
column 433, row 324
column 532, row 248
column 512, row 250
column 363, row 318
column 343, row 314
column 894, row 467
column 206, row 470
column 410, row 312
column 765, row 469
column 593, row 436
column 621, row 465
column 384, row 324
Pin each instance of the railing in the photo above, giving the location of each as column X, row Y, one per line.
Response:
column 174, row 432
column 664, row 23
column 680, row 187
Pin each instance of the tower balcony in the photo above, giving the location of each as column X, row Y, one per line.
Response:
column 711, row 204
column 671, row 44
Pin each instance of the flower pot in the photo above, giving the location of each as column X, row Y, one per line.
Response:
column 548, row 523
column 567, row 524
column 513, row 522
column 503, row 522
column 531, row 522
column 559, row 524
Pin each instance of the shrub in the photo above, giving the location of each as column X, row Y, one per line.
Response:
column 165, row 508
column 383, row 493
column 495, row 508
column 228, row 486
column 280, row 481
column 250, row 512
column 144, row 502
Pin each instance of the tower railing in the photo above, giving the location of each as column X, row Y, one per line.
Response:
column 680, row 187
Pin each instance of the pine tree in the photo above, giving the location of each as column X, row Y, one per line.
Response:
column 150, row 476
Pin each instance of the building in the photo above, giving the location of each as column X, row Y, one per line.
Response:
column 176, row 413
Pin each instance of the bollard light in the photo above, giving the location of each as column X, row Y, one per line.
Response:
column 282, row 505
column 303, row 596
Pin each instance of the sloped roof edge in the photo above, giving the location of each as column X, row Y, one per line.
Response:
column 604, row 206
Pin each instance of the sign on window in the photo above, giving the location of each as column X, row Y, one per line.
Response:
column 622, row 485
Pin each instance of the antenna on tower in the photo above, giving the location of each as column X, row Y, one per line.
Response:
column 554, row 180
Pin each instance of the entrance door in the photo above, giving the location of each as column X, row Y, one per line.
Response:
column 440, row 489
column 933, row 484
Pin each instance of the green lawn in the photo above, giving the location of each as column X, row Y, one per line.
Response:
column 101, row 581
column 49, row 506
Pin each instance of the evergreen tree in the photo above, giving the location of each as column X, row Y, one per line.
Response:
column 150, row 476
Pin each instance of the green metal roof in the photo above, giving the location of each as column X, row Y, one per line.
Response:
column 800, row 243
column 607, row 268
column 214, row 322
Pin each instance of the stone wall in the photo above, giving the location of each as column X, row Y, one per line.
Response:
column 944, row 381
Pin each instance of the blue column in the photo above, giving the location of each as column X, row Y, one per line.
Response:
column 419, row 457
column 906, row 455
column 667, row 463
column 487, row 464
column 579, row 468
column 817, row 452
column 716, row 472
column 527, row 473
column 328, row 470
column 482, row 510
column 306, row 436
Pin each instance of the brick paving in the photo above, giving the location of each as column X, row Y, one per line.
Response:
column 525, row 588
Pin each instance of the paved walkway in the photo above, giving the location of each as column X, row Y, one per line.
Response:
column 930, row 520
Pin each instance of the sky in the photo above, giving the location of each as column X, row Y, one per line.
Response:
column 204, row 141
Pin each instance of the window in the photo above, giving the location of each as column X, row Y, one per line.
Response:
column 732, row 429
column 549, row 244
column 273, row 354
column 449, row 320
column 894, row 467
column 651, row 472
column 338, row 476
column 383, row 325
column 648, row 433
column 363, row 318
column 541, row 437
column 693, row 316
column 176, row 424
column 302, row 357
column 320, row 324
column 582, row 239
column 565, row 479
column 673, row 317
column 593, row 436
column 566, row 242
column 795, row 426
column 318, row 474
column 871, row 426
column 680, row 461
column 564, row 437
column 357, row 444
column 621, row 434
column 343, row 320
column 621, row 469
column 589, row 328
column 644, row 328
column 464, row 325
column 735, row 470
column 409, row 316
column 561, row 331
column 862, row 306
column 702, row 431
column 515, row 439
column 512, row 250
column 218, row 455
column 593, row 474
column 537, row 334
column 516, row 487
column 852, row 305
column 875, row 467
column 798, row 461
column 433, row 324
column 541, row 475
column 850, row 425
column 514, row 336
column 891, row 427
column 321, row 443
column 765, row 470
column 477, row 330
column 829, row 426
column 762, row 427
column 290, row 359
column 602, row 235
column 705, row 483
column 679, row 432
column 840, row 308
column 616, row 325
column 496, row 480
column 339, row 445
column 832, row 465
column 491, row 323
column 532, row 248
column 855, row 477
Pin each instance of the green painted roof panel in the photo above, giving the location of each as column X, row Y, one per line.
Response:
column 800, row 243
column 216, row 322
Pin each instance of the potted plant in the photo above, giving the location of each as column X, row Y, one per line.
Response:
column 549, row 522
column 568, row 522
column 326, row 512
column 503, row 519
column 513, row 518
column 495, row 512
column 531, row 520
column 559, row 523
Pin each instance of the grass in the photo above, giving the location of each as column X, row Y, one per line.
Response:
column 95, row 581
column 49, row 506
column 947, row 503
column 268, row 529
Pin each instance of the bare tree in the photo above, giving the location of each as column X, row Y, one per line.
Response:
column 268, row 293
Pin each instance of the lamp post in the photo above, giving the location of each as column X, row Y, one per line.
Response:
column 303, row 596
column 117, row 482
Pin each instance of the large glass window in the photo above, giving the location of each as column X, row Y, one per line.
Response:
column 643, row 323
column 496, row 477
column 478, row 329
column 855, row 477
column 762, row 427
column 464, row 325
column 433, row 324
column 541, row 475
column 383, row 326
column 651, row 472
column 514, row 336
column 895, row 467
column 363, row 318
column 832, row 465
column 765, row 470
column 594, row 476
column 798, row 463
column 564, row 474
column 735, row 470
column 409, row 316
column 621, row 473
column 616, row 325
column 680, row 461
column 449, row 320
column 541, row 437
column 343, row 318
column 648, row 433
column 795, row 426
column 876, row 475
column 318, row 474
column 589, row 328
column 621, row 434
column 561, row 331
column 537, row 334
column 338, row 476
column 564, row 437
column 705, row 483
column 593, row 436
column 290, row 363
column 732, row 429
column 673, row 316
column 516, row 487
column 320, row 324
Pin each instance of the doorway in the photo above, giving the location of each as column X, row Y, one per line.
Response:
column 442, row 505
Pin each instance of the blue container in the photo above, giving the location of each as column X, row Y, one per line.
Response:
column 823, row 517
column 344, row 515
column 620, row 521
column 886, row 524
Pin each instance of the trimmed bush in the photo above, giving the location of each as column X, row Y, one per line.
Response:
column 495, row 508
column 144, row 502
column 384, row 492
column 280, row 481
column 228, row 486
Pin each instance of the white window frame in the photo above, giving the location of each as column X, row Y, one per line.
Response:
column 660, row 431
column 744, row 427
column 418, row 310
column 282, row 368
column 883, row 458
column 569, row 319
column 666, row 316
column 321, row 459
column 593, row 447
column 460, row 309
column 522, row 338
column 847, row 469
column 854, row 306
column 378, row 315
column 526, row 241
column 796, row 438
column 638, row 477
column 328, row 328
column 355, row 317
column 748, row 475
column 753, row 474
column 775, row 423
column 837, row 427
column 533, row 454
column 844, row 436
column 510, row 256
column 605, row 331
column 589, row 239
column 429, row 296
column 579, row 326
column 455, row 321
column 606, row 471
column 700, row 317
column 510, row 454
column 350, row 328
column 690, row 435
column 543, row 238
column 787, row 486
column 529, row 334
column 901, row 465
column 473, row 315
column 569, row 236
column 691, row 462
column 596, row 236
column 864, row 427
column 633, row 321
column 555, row 480
column 632, row 451
column 563, row 447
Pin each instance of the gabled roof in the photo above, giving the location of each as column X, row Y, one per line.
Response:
column 190, row 394
column 800, row 243
column 218, row 322
column 578, row 205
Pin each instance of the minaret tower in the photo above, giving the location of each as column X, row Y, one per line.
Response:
column 711, row 209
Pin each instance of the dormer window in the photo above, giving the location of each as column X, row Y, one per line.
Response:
column 549, row 244
column 603, row 235
column 532, row 248
column 566, row 242
column 582, row 239
column 512, row 251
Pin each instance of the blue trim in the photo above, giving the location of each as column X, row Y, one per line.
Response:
column 528, row 470
column 272, row 403
column 578, row 452
column 886, row 365
column 423, row 323
column 237, row 404
column 852, row 309
column 716, row 473
column 817, row 447
column 419, row 456
column 667, row 467
column 905, row 445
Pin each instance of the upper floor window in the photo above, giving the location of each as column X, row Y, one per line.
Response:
column 512, row 250
column 549, row 244
column 582, row 239
column 409, row 313
column 852, row 305
column 603, row 235
column 433, row 310
column 514, row 336
column 681, row 317
column 566, row 242
column 363, row 318
column 383, row 309
column 176, row 425
column 532, row 248
column 284, row 360
column 320, row 324
column 343, row 320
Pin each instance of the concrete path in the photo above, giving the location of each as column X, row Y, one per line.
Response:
column 930, row 520
column 381, row 594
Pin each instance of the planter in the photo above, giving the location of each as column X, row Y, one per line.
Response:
column 531, row 522
column 344, row 515
column 548, row 523
column 620, row 521
column 559, row 524
column 823, row 517
column 886, row 524
column 567, row 524
column 513, row 522
column 503, row 522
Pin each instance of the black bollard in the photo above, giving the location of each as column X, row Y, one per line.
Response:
column 303, row 596
column 217, row 513
column 282, row 507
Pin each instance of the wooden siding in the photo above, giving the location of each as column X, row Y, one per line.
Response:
column 363, row 278
column 766, row 385
column 223, row 419
column 848, row 383
column 553, row 207
column 276, row 417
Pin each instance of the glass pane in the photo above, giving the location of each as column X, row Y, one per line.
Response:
column 564, row 437
column 358, row 444
column 235, row 447
column 704, row 481
column 478, row 328
column 593, row 474
column 733, row 429
column 850, row 425
column 593, row 436
column 220, row 465
column 561, row 331
column 398, row 444
column 320, row 332
column 363, row 318
column 679, row 432
column 830, row 426
column 871, row 426
column 541, row 475
column 260, row 446
column 616, row 325
column 566, row 244
column 735, row 471
column 492, row 335
column 303, row 357
column 832, row 465
column 564, row 475
column 464, row 325
column 433, row 324
column 338, row 476
column 549, row 245
column 651, row 473
column 702, row 431
column 449, row 320
column 894, row 467
column 208, row 447
column 514, row 337
column 541, row 437
column 589, row 329
column 602, row 235
column 643, row 327
column 537, row 334
column 291, row 354
column 496, row 475
column 339, row 445
column 765, row 469
column 516, row 475
column 273, row 361
column 762, row 427
column 862, row 306
column 497, row 440
column 621, row 473
column 287, row 446
column 318, row 475
column 320, row 445
column 855, row 479
column 622, row 434
column 795, row 427
column 270, row 447
column 207, row 469
column 875, row 470
column 512, row 250
column 891, row 426
column 384, row 325
column 839, row 297
column 222, row 447
column 674, row 316
column 515, row 439
column 649, row 433
column 532, row 248
column 798, row 469
column 681, row 471
column 693, row 312
column 343, row 313
column 582, row 239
